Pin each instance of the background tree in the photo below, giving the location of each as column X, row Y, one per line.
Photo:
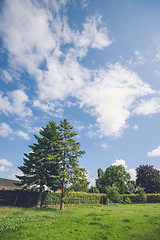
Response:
column 148, row 178
column 41, row 165
column 100, row 181
column 69, row 154
column 114, row 175
column 78, row 180
column 93, row 189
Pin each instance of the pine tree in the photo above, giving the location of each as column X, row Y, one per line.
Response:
column 70, row 152
column 41, row 165
column 53, row 160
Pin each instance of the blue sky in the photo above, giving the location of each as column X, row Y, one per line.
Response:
column 96, row 63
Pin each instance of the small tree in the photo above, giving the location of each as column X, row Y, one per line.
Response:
column 69, row 154
column 41, row 165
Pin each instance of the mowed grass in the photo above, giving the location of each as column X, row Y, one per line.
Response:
column 113, row 221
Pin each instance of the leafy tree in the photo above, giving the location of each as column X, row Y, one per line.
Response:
column 100, row 181
column 131, row 186
column 93, row 190
column 79, row 181
column 41, row 164
column 114, row 175
column 148, row 178
column 69, row 154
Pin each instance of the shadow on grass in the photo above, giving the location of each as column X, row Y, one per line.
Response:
column 48, row 209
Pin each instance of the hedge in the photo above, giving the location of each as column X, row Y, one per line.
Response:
column 137, row 198
column 29, row 198
column 75, row 198
column 94, row 198
column 18, row 198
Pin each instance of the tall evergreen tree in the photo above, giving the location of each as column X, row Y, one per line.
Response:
column 53, row 160
column 70, row 152
column 41, row 165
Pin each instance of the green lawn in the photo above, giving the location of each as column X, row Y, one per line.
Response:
column 138, row 221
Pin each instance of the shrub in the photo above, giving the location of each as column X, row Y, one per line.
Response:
column 127, row 200
column 142, row 195
column 113, row 194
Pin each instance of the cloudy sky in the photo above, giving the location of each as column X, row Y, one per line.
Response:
column 94, row 62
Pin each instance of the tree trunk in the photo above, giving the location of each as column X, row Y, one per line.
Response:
column 39, row 198
column 62, row 197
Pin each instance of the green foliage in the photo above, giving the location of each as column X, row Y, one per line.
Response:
column 113, row 194
column 53, row 161
column 148, row 178
column 116, row 175
column 142, row 194
column 41, row 164
column 79, row 181
column 51, row 199
column 93, row 190
column 127, row 200
column 70, row 172
column 74, row 198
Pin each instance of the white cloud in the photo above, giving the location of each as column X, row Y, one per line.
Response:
column 5, row 130
column 104, row 146
column 135, row 127
column 51, row 108
column 6, row 76
column 147, row 107
column 111, row 97
column 78, row 125
column 109, row 94
column 57, row 5
column 84, row 3
column 4, row 169
column 26, row 34
column 91, row 180
column 93, row 35
column 154, row 153
column 132, row 173
column 5, row 162
column 23, row 135
column 119, row 162
column 15, row 103
column 15, row 172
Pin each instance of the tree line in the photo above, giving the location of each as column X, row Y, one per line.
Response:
column 53, row 162
column 147, row 178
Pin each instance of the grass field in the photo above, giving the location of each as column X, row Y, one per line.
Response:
column 113, row 221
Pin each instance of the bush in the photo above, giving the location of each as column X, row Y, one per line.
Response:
column 113, row 194
column 142, row 195
column 127, row 200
